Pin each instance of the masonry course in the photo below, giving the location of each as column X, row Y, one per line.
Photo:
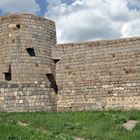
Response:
column 37, row 74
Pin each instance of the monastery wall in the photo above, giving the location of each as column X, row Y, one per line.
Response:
column 38, row 75
column 98, row 75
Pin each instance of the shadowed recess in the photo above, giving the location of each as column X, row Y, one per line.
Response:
column 52, row 82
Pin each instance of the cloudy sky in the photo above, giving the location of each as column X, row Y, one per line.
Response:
column 83, row 20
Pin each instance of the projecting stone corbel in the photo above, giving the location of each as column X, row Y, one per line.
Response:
column 56, row 60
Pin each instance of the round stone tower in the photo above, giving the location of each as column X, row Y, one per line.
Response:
column 27, row 70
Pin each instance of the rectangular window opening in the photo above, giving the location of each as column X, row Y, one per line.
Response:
column 8, row 76
column 31, row 52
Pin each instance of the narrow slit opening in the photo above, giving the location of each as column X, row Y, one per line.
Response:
column 37, row 64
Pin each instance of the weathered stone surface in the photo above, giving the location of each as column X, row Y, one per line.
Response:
column 25, row 53
column 98, row 75
column 38, row 75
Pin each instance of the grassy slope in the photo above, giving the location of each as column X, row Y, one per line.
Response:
column 94, row 125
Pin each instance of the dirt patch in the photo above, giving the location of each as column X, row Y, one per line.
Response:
column 79, row 139
column 22, row 123
column 130, row 124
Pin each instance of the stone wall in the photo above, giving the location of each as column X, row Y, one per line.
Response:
column 26, row 97
column 98, row 75
column 26, row 65
column 38, row 75
column 25, row 47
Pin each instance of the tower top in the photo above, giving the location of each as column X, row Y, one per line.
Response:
column 25, row 15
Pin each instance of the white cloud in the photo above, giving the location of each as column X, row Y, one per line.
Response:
column 14, row 6
column 131, row 29
column 94, row 19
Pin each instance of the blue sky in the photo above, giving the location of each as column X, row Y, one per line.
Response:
column 83, row 20
column 43, row 7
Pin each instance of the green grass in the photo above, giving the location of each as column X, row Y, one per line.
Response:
column 92, row 125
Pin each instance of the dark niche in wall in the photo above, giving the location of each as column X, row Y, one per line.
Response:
column 18, row 26
column 52, row 82
column 8, row 74
column 31, row 52
column 37, row 64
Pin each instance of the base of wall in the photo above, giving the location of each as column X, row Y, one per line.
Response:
column 104, row 103
column 31, row 97
column 26, row 97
